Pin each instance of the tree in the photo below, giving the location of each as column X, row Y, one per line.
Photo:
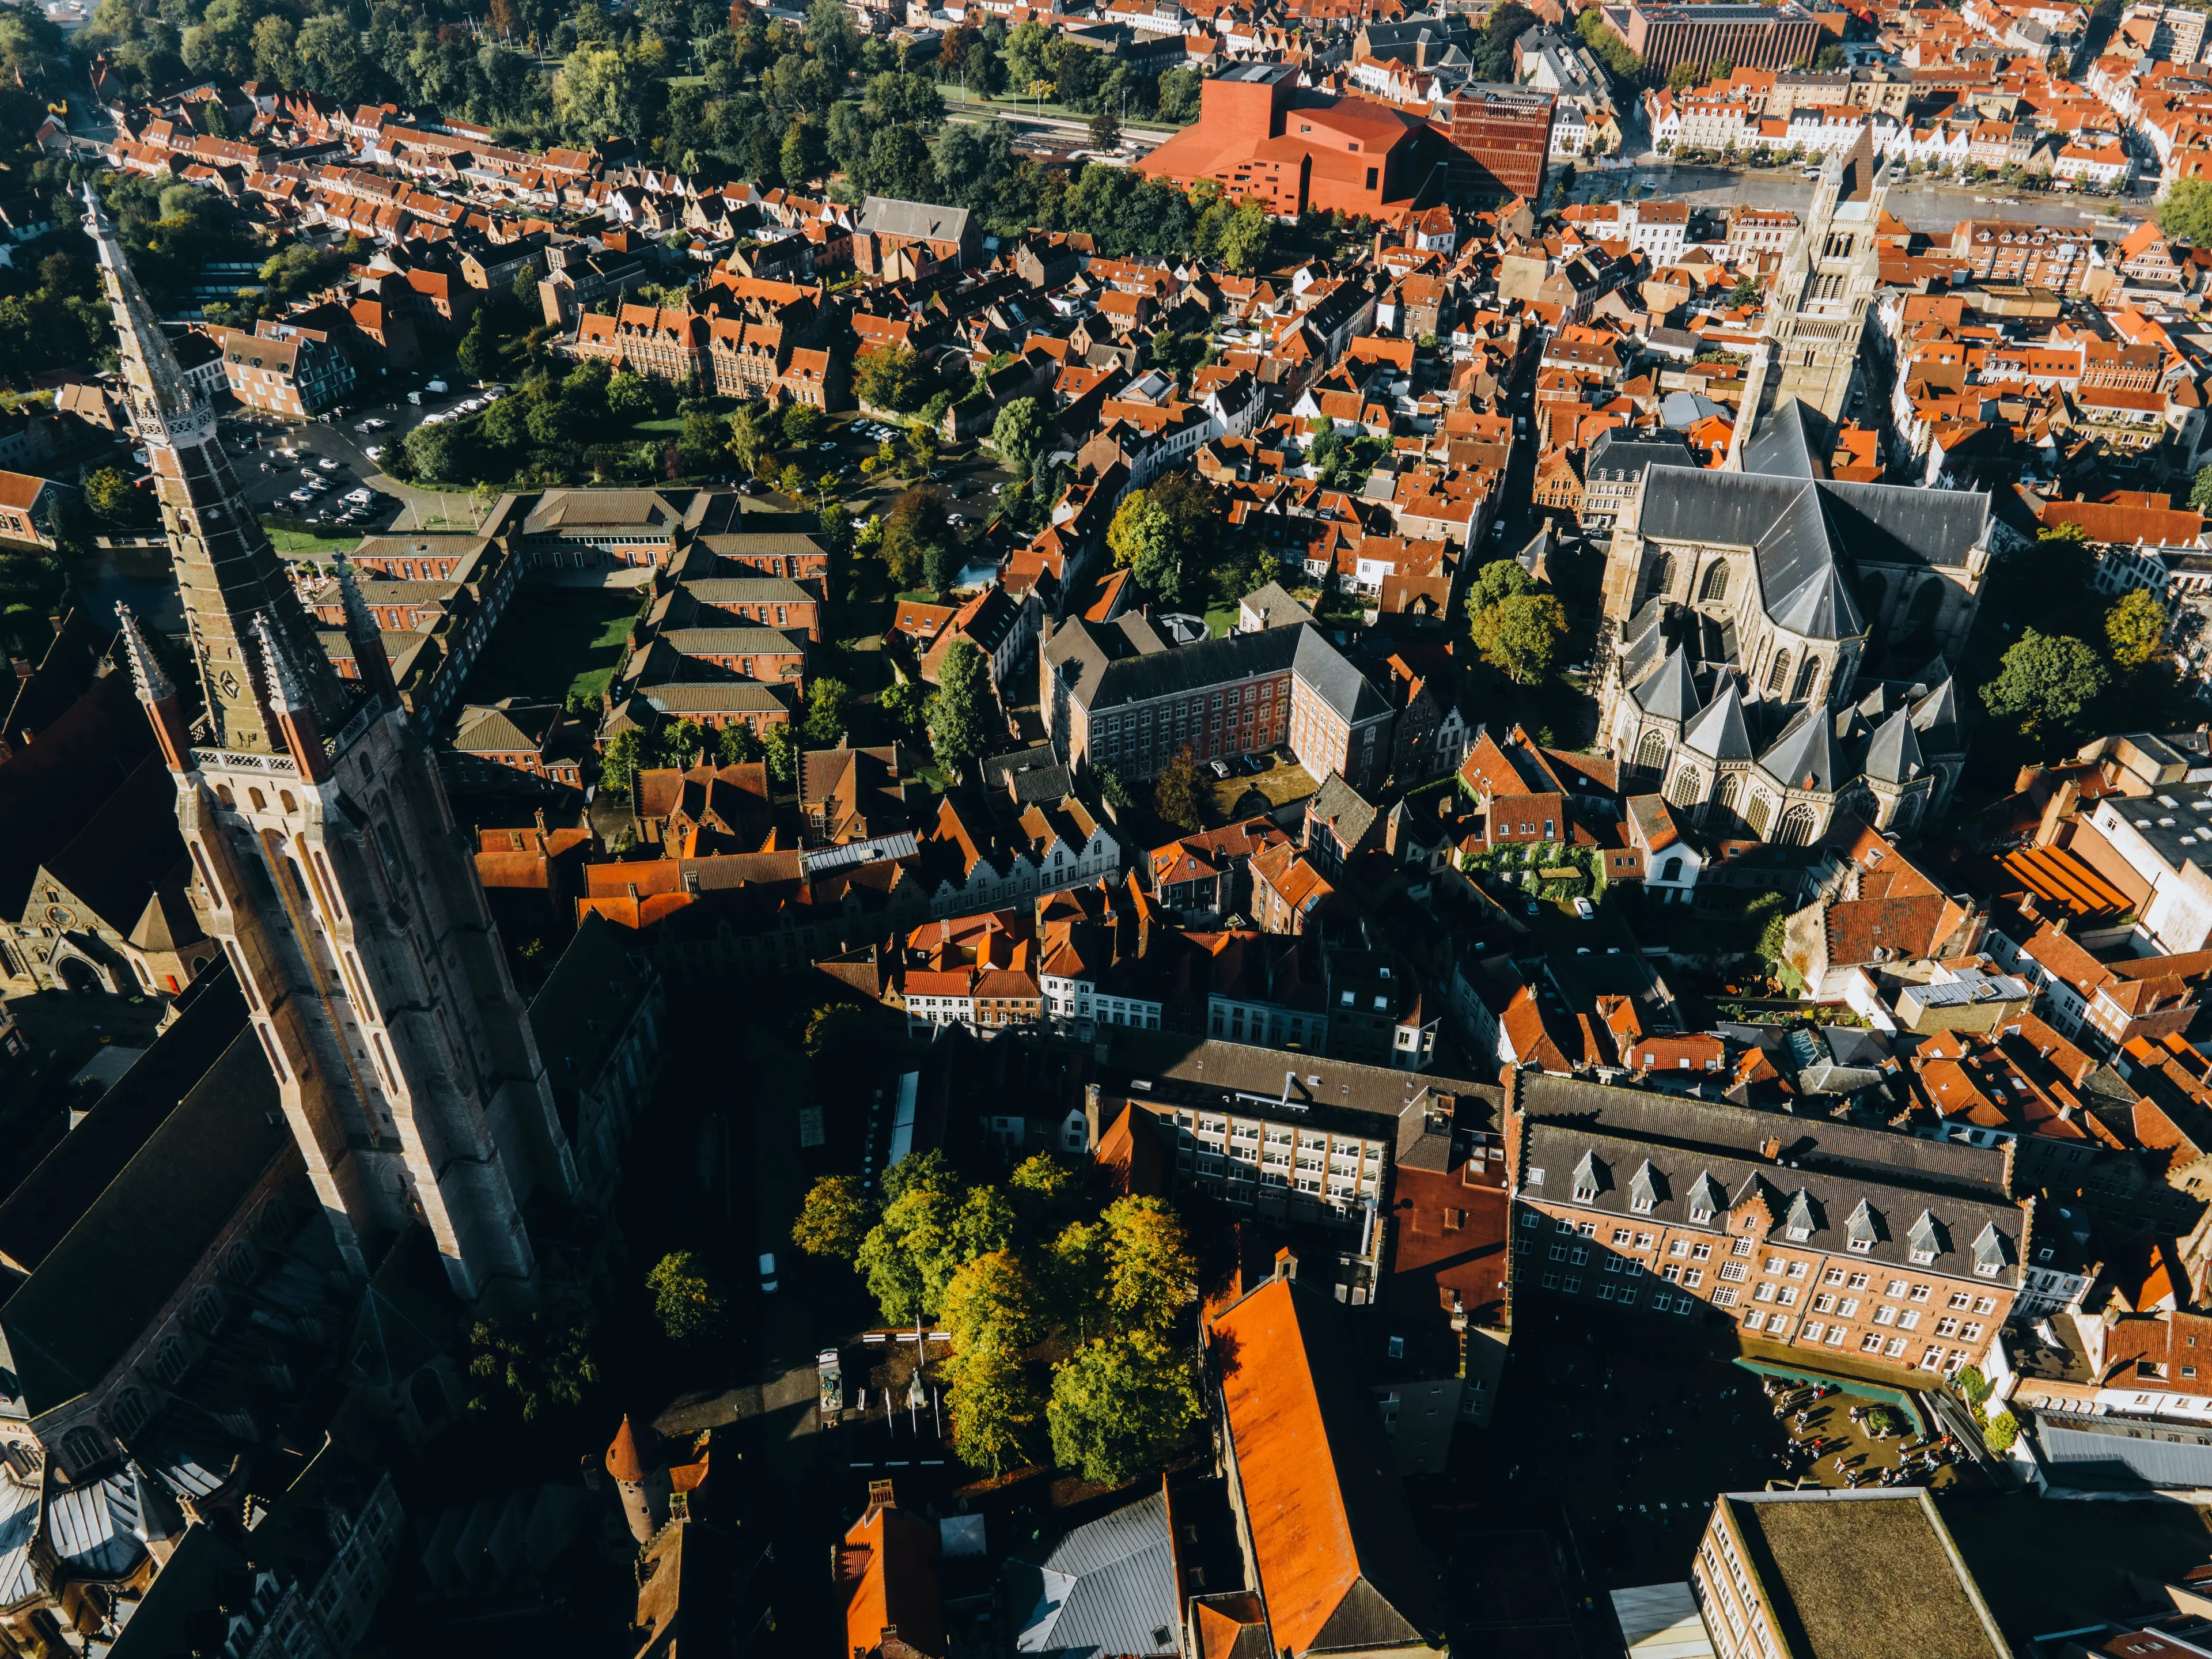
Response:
column 992, row 1302
column 2200, row 490
column 1016, row 434
column 997, row 1411
column 1142, row 537
column 750, row 436
column 1106, row 130
column 919, row 526
column 1999, row 1431
column 1176, row 792
column 2136, row 628
column 887, row 377
column 1112, row 789
column 1520, row 635
column 682, row 742
column 1179, row 95
column 1149, row 1275
column 835, row 1218
column 478, row 351
column 1501, row 579
column 1683, row 76
column 802, row 424
column 112, row 496
column 1245, row 238
column 2185, row 215
column 434, row 453
column 736, row 745
column 605, row 90
column 828, row 704
column 2045, row 682
column 906, row 704
column 834, row 1032
column 1121, row 1408
column 800, row 155
column 959, row 727
column 686, row 1304
column 619, row 766
column 541, row 1358
column 779, row 748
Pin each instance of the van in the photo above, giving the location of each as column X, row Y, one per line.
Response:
column 414, row 396
column 767, row 1272
column 437, row 386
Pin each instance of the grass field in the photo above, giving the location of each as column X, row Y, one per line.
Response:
column 302, row 541
column 555, row 643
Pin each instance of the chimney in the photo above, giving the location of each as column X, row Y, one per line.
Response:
column 541, row 821
column 1093, row 1107
column 1286, row 1263
column 1771, row 1150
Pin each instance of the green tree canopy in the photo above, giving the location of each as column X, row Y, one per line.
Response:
column 959, row 714
column 2045, row 682
column 1520, row 635
column 2185, row 215
column 835, row 1218
column 1142, row 538
column 829, row 711
column 1149, row 1274
column 1018, row 432
column 1501, row 579
column 997, row 1411
column 2136, row 628
column 991, row 1302
column 687, row 1305
column 1121, row 1406
column 539, row 1360
column 736, row 745
column 1177, row 792
column 887, row 377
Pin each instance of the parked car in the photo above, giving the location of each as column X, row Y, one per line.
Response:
column 767, row 1272
column 1220, row 769
column 303, row 495
column 359, row 497
column 375, row 452
column 1585, row 909
column 328, row 463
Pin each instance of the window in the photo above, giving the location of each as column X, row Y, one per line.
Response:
column 1643, row 1241
column 1701, row 1252
column 1530, row 1218
column 1833, row 1276
column 1814, row 1330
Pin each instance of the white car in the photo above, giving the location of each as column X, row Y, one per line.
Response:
column 359, row 497
column 327, row 465
column 303, row 495
column 375, row 452
column 471, row 404
column 1585, row 909
column 317, row 486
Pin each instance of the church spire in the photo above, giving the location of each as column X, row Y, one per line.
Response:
column 157, row 691
column 366, row 638
column 227, row 570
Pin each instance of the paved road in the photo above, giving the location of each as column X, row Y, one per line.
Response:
column 1922, row 207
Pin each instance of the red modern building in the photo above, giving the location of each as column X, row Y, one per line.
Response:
column 1499, row 138
column 1263, row 140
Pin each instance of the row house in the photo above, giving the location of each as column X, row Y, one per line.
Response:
column 284, row 370
column 971, row 863
column 1822, row 1237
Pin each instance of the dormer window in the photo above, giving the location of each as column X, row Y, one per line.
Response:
column 1922, row 1258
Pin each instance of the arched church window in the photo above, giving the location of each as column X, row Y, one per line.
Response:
column 1777, row 674
column 1715, row 587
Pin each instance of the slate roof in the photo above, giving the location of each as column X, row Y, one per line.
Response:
column 1109, row 1588
column 1804, row 757
column 1112, row 665
column 1894, row 755
column 1807, row 1204
column 1719, row 733
column 1334, row 680
column 1810, row 1143
column 1788, row 444
column 1670, row 693
column 113, row 1271
column 887, row 215
column 68, row 1180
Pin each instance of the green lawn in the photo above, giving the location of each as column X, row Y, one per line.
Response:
column 671, row 427
column 555, row 643
column 302, row 541
column 1221, row 620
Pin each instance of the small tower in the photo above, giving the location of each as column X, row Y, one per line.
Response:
column 640, row 1475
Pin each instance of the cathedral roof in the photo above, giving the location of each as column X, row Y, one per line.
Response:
column 1718, row 732
column 1670, row 693
column 1787, row 444
column 1894, row 756
column 1804, row 755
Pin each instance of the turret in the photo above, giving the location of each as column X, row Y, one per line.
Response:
column 642, row 1479
column 157, row 691
column 288, row 701
column 366, row 638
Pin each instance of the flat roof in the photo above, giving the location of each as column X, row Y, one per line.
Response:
column 1863, row 1576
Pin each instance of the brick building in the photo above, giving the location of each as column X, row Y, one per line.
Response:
column 1262, row 139
column 1747, row 36
column 1806, row 1235
column 1115, row 694
column 1500, row 137
column 284, row 370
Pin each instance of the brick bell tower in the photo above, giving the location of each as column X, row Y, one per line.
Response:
column 332, row 873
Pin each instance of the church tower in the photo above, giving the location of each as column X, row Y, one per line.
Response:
column 1816, row 311
column 333, row 874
